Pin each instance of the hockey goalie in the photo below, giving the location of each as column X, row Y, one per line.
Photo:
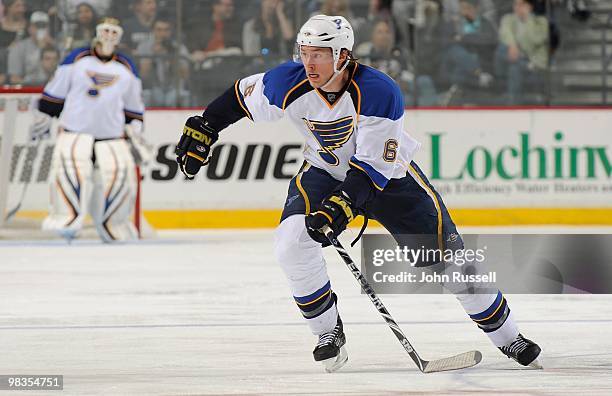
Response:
column 97, row 95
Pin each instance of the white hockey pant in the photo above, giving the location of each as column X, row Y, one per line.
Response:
column 301, row 258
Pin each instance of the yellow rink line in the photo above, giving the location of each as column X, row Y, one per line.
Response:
column 463, row 217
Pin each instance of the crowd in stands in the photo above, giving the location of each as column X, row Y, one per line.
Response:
column 188, row 51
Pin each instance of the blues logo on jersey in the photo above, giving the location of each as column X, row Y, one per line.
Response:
column 100, row 81
column 331, row 135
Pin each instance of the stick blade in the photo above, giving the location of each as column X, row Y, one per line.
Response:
column 457, row 362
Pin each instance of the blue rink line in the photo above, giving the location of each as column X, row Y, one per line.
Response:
column 216, row 325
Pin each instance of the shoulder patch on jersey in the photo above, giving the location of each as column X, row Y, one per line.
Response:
column 76, row 54
column 127, row 62
column 380, row 95
column 283, row 83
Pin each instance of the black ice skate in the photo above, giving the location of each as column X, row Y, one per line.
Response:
column 330, row 349
column 524, row 351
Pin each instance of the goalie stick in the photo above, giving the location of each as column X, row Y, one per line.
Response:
column 463, row 360
column 28, row 165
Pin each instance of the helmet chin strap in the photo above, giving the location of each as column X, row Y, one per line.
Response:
column 336, row 74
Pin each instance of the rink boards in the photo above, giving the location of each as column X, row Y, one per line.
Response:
column 493, row 167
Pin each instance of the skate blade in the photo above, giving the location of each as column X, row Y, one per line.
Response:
column 68, row 235
column 335, row 363
column 537, row 363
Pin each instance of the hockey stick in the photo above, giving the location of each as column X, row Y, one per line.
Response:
column 463, row 360
column 29, row 164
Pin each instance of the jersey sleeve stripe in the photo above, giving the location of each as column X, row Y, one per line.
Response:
column 377, row 178
column 241, row 100
column 51, row 98
column 289, row 98
column 133, row 115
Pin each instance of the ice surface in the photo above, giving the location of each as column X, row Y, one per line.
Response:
column 210, row 313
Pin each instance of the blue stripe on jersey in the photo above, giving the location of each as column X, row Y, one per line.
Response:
column 377, row 178
column 125, row 60
column 133, row 112
column 279, row 81
column 380, row 95
column 489, row 311
column 312, row 297
column 52, row 98
column 75, row 55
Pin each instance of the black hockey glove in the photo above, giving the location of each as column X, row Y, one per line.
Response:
column 336, row 211
column 194, row 147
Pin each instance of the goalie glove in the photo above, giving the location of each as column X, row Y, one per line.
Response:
column 41, row 125
column 336, row 211
column 193, row 148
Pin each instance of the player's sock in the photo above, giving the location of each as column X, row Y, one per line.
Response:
column 492, row 315
column 319, row 309
column 524, row 351
column 330, row 349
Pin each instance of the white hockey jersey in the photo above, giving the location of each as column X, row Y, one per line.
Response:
column 97, row 96
column 363, row 127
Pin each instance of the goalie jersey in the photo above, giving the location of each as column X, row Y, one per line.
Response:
column 359, row 127
column 93, row 96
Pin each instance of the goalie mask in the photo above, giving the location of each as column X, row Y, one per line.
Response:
column 108, row 36
column 325, row 31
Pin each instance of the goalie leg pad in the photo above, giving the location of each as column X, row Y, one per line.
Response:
column 113, row 200
column 71, row 184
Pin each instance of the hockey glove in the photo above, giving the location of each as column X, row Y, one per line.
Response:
column 194, row 147
column 336, row 211
column 41, row 125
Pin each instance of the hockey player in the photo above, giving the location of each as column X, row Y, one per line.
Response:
column 96, row 93
column 358, row 160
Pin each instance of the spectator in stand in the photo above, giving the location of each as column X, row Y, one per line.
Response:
column 14, row 22
column 488, row 10
column 161, row 61
column 67, row 9
column 382, row 10
column 24, row 56
column 139, row 27
column 12, row 29
column 468, row 59
column 523, row 50
column 221, row 35
column 84, row 31
column 342, row 8
column 270, row 32
column 49, row 59
column 382, row 53
column 430, row 39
